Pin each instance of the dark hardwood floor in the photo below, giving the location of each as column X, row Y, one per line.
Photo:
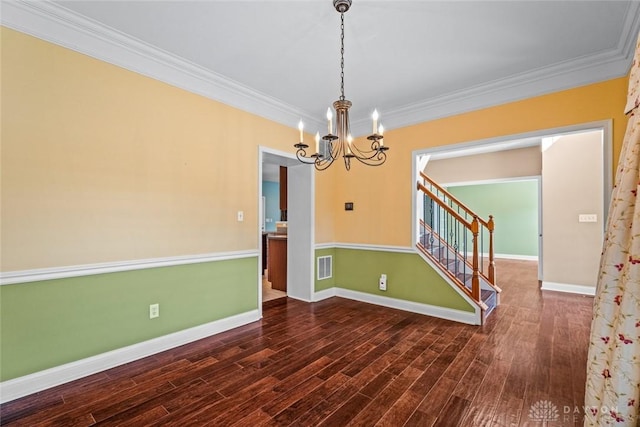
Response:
column 340, row 362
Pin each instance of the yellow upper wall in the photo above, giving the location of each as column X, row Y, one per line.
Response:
column 102, row 164
column 382, row 196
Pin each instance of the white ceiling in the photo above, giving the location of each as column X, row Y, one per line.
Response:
column 412, row 60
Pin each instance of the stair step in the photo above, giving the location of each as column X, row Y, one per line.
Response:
column 435, row 248
column 490, row 300
column 465, row 278
column 449, row 263
column 487, row 295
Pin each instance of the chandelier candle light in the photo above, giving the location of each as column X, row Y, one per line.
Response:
column 341, row 143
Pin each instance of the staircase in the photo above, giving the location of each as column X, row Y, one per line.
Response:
column 459, row 243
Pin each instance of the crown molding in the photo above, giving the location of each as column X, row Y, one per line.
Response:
column 56, row 24
column 569, row 74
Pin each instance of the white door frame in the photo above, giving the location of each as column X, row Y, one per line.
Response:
column 540, row 231
column 301, row 234
column 300, row 247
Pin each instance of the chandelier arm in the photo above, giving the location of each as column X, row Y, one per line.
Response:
column 368, row 154
column 336, row 150
column 323, row 164
column 347, row 163
column 301, row 155
column 376, row 160
column 363, row 154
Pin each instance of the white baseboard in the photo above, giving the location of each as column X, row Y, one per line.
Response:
column 520, row 257
column 324, row 294
column 32, row 383
column 414, row 307
column 506, row 256
column 568, row 287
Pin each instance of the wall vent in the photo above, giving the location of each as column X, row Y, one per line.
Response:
column 325, row 267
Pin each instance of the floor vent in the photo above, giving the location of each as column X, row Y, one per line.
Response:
column 325, row 264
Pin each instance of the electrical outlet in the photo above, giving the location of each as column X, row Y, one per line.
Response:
column 154, row 311
column 382, row 284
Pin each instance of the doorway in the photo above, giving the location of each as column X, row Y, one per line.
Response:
column 274, row 230
column 548, row 221
column 298, row 240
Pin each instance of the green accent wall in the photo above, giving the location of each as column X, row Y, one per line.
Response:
column 321, row 285
column 409, row 277
column 514, row 206
column 49, row 323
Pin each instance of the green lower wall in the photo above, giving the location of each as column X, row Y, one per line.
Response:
column 409, row 277
column 514, row 206
column 49, row 323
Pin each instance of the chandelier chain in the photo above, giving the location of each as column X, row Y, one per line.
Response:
column 342, row 57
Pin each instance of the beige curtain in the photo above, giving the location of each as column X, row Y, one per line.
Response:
column 613, row 366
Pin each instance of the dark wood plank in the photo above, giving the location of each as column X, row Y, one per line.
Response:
column 453, row 412
column 385, row 399
column 488, row 394
column 327, row 406
column 420, row 419
column 347, row 411
column 136, row 419
column 304, row 404
column 437, row 397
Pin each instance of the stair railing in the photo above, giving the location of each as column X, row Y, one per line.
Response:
column 485, row 227
column 456, row 239
column 449, row 239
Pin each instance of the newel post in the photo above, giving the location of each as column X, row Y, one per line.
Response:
column 475, row 279
column 492, row 263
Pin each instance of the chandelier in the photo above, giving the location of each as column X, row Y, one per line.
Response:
column 341, row 143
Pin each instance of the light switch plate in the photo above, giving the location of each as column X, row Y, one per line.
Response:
column 587, row 218
column 240, row 216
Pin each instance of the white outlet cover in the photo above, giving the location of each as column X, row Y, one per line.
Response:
column 240, row 216
column 154, row 311
column 382, row 284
